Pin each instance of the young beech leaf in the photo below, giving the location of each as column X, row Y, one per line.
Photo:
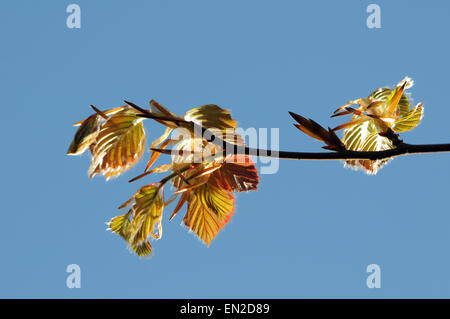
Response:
column 209, row 210
column 142, row 220
column 121, row 225
column 119, row 144
column 365, row 137
column 85, row 135
column 410, row 120
column 211, row 116
column 209, row 197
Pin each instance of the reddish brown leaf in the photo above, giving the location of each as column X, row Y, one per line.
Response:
column 237, row 173
column 209, row 209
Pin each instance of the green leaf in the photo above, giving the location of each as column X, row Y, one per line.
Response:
column 410, row 120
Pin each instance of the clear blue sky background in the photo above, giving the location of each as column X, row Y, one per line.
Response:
column 309, row 231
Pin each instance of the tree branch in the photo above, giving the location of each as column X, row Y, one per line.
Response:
column 403, row 149
column 233, row 149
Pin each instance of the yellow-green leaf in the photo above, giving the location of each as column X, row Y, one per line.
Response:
column 146, row 214
column 119, row 144
column 410, row 120
column 121, row 225
column 365, row 137
column 211, row 116
column 142, row 249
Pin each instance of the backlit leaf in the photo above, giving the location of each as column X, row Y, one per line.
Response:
column 119, row 144
column 383, row 111
column 197, row 150
column 142, row 220
column 237, row 173
column 365, row 137
column 121, row 225
column 383, row 105
column 209, row 209
column 410, row 120
column 147, row 212
column 85, row 135
column 211, row 116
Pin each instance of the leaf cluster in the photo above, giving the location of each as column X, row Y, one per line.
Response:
column 205, row 184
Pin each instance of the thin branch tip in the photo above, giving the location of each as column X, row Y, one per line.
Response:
column 99, row 112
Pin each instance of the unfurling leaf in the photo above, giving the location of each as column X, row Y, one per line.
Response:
column 313, row 129
column 145, row 213
column 121, row 225
column 365, row 137
column 119, row 144
column 384, row 107
column 373, row 124
column 85, row 135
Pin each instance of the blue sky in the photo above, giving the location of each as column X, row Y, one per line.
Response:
column 309, row 231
